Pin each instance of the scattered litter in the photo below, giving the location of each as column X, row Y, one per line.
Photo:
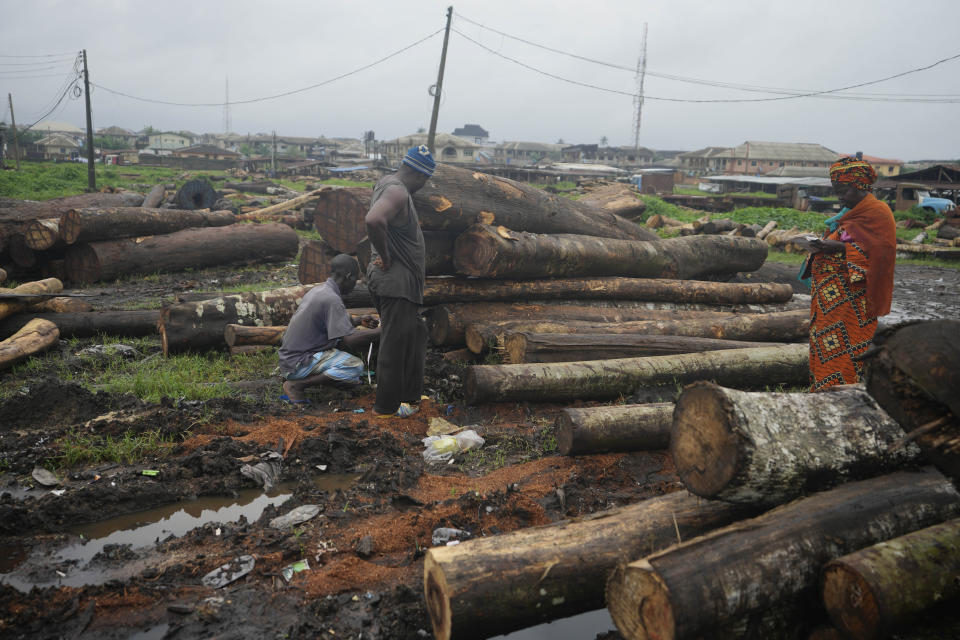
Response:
column 150, row 472
column 298, row 566
column 297, row 516
column 442, row 448
column 322, row 467
column 58, row 492
column 233, row 570
column 60, row 573
column 444, row 535
column 358, row 410
column 267, row 472
column 441, row 427
column 45, row 477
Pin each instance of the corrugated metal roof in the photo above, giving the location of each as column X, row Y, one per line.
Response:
column 532, row 146
column 812, row 182
column 797, row 151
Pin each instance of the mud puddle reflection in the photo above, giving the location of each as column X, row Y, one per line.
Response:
column 118, row 548
column 585, row 626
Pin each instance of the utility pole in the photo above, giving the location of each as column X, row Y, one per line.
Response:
column 91, row 169
column 13, row 122
column 227, row 125
column 438, row 88
column 638, row 100
column 273, row 157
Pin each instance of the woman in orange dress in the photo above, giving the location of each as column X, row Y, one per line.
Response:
column 851, row 268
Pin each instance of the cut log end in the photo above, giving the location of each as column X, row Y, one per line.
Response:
column 437, row 596
column 70, row 226
column 564, row 432
column 82, row 264
column 474, row 253
column 850, row 602
column 653, row 618
column 702, row 430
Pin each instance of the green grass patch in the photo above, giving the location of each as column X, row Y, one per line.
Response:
column 785, row 258
column 78, row 448
column 344, row 182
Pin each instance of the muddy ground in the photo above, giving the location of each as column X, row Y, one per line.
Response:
column 114, row 553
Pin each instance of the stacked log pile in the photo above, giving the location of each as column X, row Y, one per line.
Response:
column 851, row 530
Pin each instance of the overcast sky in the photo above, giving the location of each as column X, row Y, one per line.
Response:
column 183, row 51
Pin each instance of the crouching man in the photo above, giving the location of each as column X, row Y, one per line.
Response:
column 311, row 354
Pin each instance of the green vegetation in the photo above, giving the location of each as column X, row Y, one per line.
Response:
column 693, row 191
column 343, row 182
column 82, row 448
column 150, row 376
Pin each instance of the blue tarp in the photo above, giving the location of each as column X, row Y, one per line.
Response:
column 346, row 169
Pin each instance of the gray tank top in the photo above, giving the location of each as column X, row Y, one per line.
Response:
column 405, row 242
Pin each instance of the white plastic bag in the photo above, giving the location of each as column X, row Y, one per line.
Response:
column 442, row 448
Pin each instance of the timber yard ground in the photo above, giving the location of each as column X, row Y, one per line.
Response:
column 115, row 553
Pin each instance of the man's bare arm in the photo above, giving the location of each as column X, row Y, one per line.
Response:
column 383, row 212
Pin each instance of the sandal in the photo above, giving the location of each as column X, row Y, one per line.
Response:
column 403, row 411
column 285, row 398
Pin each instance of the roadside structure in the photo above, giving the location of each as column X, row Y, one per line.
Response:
column 449, row 149
column 757, row 158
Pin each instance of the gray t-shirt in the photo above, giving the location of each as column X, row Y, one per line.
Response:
column 407, row 249
column 317, row 324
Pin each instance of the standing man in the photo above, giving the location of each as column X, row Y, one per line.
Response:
column 309, row 355
column 395, row 279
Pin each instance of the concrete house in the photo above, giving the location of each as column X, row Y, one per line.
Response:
column 163, row 144
column 473, row 132
column 207, row 151
column 756, row 158
column 127, row 136
column 527, row 152
column 58, row 146
column 448, row 148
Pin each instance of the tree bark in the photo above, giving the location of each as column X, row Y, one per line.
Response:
column 35, row 336
column 442, row 290
column 914, row 375
column 87, row 324
column 42, row 234
column 772, row 560
column 92, row 225
column 789, row 326
column 605, row 379
column 767, row 228
column 722, row 225
column 61, row 305
column 339, row 217
column 22, row 255
column 250, row 187
column 155, row 197
column 190, row 248
column 874, row 590
column 9, row 307
column 768, row 448
column 199, row 326
column 493, row 585
column 447, row 323
column 454, row 198
column 619, row 199
column 927, row 251
column 195, row 194
column 498, row 252
column 627, row 427
column 572, row 347
column 236, row 335
column 25, row 210
column 3, row 275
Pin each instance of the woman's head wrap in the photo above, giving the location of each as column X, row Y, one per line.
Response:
column 853, row 170
column 419, row 159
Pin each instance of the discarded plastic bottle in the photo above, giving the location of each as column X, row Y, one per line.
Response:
column 446, row 535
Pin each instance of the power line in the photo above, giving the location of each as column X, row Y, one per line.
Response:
column 788, row 93
column 278, row 95
column 40, row 55
column 824, row 93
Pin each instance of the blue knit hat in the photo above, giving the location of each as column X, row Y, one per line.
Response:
column 419, row 158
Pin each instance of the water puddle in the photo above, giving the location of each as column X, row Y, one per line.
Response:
column 107, row 549
column 585, row 626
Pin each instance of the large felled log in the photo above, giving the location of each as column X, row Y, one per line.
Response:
column 454, row 198
column 620, row 199
column 441, row 290
column 626, row 427
column 339, row 217
column 21, row 254
column 61, row 305
column 768, row 448
column 788, row 326
column 237, row 335
column 155, row 197
column 914, row 375
column 9, row 307
column 88, row 324
column 286, row 205
column 3, row 275
column 199, row 326
column 91, row 225
column 43, row 234
column 497, row 252
column 447, row 323
column 604, row 379
column 772, row 560
column 488, row 586
column 195, row 194
column 25, row 210
column 36, row 336
column 572, row 347
column 873, row 591
column 251, row 187
column 190, row 248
